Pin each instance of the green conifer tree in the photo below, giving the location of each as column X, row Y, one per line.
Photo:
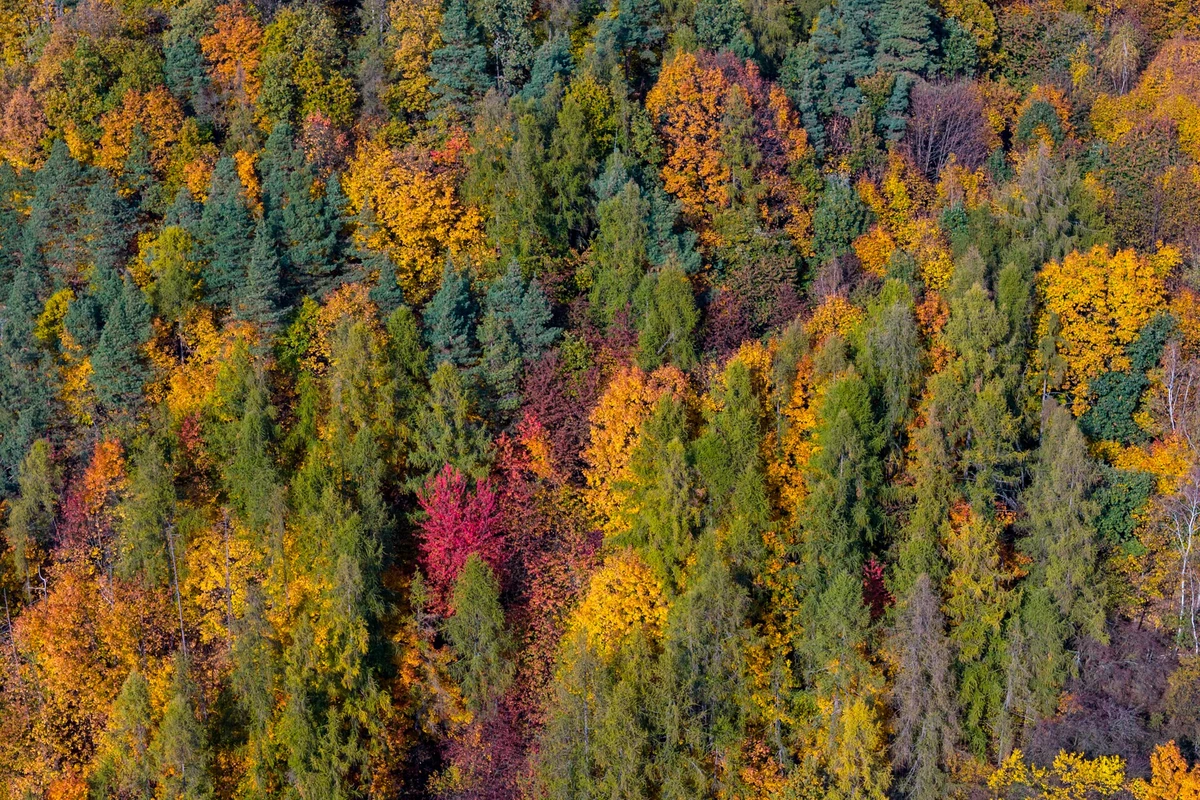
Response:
column 450, row 320
column 119, row 366
column 180, row 744
column 226, row 233
column 31, row 515
column 256, row 298
column 668, row 318
column 127, row 767
column 458, row 69
column 447, row 430
column 477, row 634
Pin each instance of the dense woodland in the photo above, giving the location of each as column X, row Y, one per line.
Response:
column 622, row 399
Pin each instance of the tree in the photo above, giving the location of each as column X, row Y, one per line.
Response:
column 525, row 307
column 616, row 423
column 312, row 225
column 255, row 657
column 705, row 641
column 923, row 695
column 584, row 130
column 500, row 364
column 450, row 320
column 127, row 767
column 1072, row 775
column 1060, row 523
column 906, row 42
column 619, row 251
column 668, row 319
column 507, row 25
column 458, row 524
column 890, row 359
column 150, row 543
column 180, row 746
column 1170, row 778
column 234, row 51
column 730, row 464
column 226, row 232
column 31, row 515
column 840, row 218
column 623, row 600
column 107, row 221
column 175, row 272
column 255, row 297
column 386, row 293
column 458, row 69
column 417, row 218
column 477, row 633
column 120, row 369
column 666, row 515
column 946, row 120
column 57, row 210
column 845, row 477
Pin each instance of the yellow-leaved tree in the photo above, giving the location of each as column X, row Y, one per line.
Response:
column 1072, row 776
column 616, row 429
column 1100, row 301
column 416, row 216
column 623, row 597
column 1170, row 778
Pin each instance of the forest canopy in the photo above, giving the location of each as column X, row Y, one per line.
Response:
column 600, row 399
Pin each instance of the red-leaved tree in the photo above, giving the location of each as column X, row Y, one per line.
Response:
column 458, row 522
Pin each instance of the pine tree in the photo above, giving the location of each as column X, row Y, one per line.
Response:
column 450, row 320
column 525, row 308
column 226, row 233
column 127, row 768
column 667, row 319
column 255, row 298
column 29, row 376
column 500, row 365
column 387, row 293
column 843, row 516
column 180, row 745
column 890, row 359
column 844, row 45
column 458, row 69
column 551, row 60
column 666, row 516
column 10, row 222
column 137, row 174
column 507, row 23
column 446, row 430
column 312, row 224
column 184, row 212
column 184, row 67
column 619, row 251
column 278, row 161
column 1060, row 524
column 923, row 695
column 840, row 218
column 119, row 368
column 107, row 222
column 31, row 515
column 723, row 26
column 148, row 517
column 56, row 210
column 706, row 637
column 730, row 464
column 906, row 42
column 255, row 657
column 478, row 635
